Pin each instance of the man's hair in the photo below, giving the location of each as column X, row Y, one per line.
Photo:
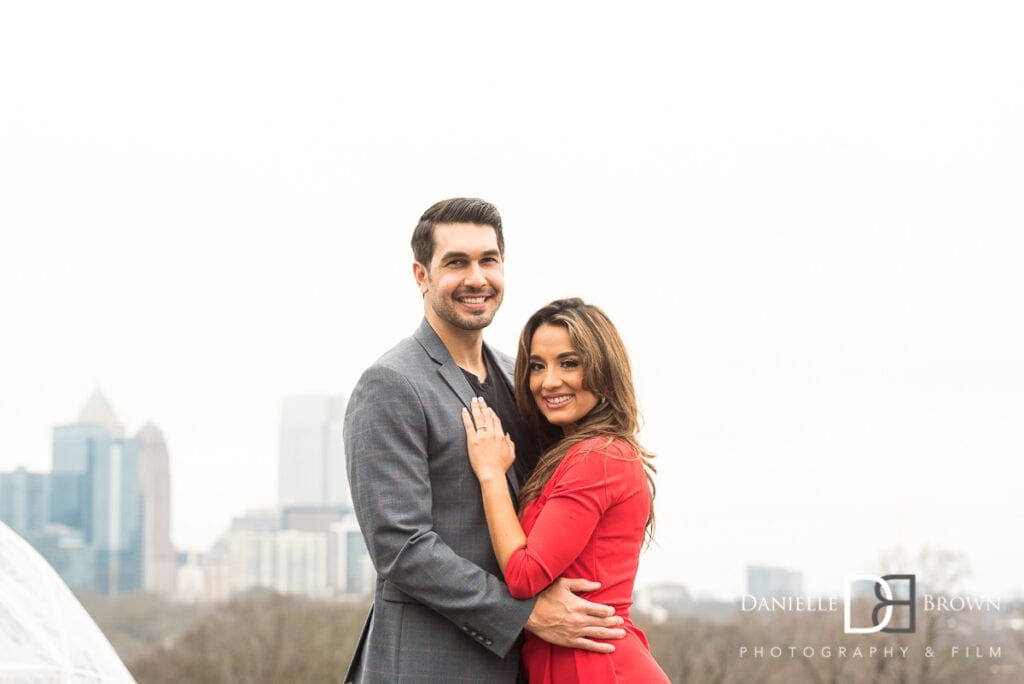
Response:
column 455, row 210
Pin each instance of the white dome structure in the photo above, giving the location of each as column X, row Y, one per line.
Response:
column 45, row 633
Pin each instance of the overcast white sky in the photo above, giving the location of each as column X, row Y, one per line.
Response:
column 805, row 218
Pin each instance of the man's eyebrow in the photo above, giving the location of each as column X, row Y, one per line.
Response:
column 450, row 255
column 465, row 255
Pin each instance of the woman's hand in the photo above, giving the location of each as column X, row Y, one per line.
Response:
column 491, row 451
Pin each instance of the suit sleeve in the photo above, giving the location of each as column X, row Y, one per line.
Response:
column 588, row 483
column 386, row 437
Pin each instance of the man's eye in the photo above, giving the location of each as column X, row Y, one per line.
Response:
column 456, row 262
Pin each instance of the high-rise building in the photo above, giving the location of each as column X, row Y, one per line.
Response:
column 259, row 553
column 300, row 563
column 95, row 490
column 102, row 516
column 769, row 582
column 662, row 601
column 98, row 411
column 308, row 550
column 349, row 570
column 117, row 517
column 24, row 500
column 65, row 549
column 311, row 458
column 75, row 447
column 248, row 549
column 158, row 555
column 203, row 577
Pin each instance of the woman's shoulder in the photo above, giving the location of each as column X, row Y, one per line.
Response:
column 605, row 461
column 602, row 453
column 614, row 447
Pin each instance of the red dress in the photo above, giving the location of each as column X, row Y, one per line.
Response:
column 588, row 523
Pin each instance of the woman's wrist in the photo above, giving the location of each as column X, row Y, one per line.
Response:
column 490, row 479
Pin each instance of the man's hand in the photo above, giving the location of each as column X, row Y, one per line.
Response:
column 562, row 618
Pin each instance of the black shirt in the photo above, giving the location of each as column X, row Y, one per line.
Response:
column 497, row 392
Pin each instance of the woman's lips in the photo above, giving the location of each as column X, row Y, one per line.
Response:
column 557, row 401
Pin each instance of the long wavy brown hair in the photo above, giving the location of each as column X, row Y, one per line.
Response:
column 606, row 372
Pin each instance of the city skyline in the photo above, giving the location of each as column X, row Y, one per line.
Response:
column 803, row 219
column 311, row 458
column 312, row 412
column 100, row 514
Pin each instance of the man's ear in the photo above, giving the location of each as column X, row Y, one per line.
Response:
column 419, row 272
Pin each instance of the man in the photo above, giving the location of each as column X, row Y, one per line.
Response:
column 441, row 611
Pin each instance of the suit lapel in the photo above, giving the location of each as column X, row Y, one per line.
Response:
column 447, row 368
column 456, row 379
column 506, row 371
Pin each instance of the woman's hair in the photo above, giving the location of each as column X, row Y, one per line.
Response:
column 606, row 373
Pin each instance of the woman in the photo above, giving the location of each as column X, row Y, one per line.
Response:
column 587, row 507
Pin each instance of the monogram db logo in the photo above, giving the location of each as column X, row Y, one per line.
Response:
column 886, row 601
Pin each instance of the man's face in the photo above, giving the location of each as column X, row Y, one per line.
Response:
column 466, row 279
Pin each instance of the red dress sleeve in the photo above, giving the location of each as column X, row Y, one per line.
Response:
column 586, row 483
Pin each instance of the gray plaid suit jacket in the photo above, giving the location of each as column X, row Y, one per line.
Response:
column 441, row 611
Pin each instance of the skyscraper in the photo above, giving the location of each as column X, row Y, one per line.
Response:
column 76, row 448
column 117, row 517
column 98, row 411
column 349, row 570
column 769, row 582
column 311, row 459
column 158, row 556
column 24, row 500
column 95, row 489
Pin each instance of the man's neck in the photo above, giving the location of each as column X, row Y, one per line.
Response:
column 465, row 346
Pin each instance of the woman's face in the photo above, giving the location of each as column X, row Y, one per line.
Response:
column 556, row 377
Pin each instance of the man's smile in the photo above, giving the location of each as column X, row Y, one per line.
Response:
column 475, row 303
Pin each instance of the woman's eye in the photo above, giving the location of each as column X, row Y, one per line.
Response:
column 571, row 363
column 534, row 367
